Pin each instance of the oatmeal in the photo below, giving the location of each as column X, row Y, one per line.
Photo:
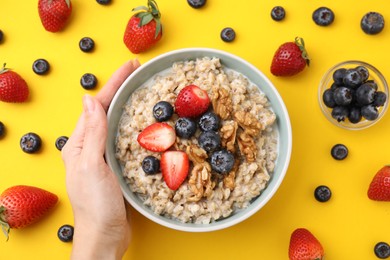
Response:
column 247, row 130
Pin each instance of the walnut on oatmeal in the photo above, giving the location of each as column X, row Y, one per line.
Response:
column 200, row 176
column 228, row 134
column 222, row 102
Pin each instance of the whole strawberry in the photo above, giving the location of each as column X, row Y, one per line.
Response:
column 290, row 59
column 144, row 28
column 304, row 246
column 23, row 205
column 54, row 14
column 192, row 101
column 13, row 88
column 380, row 185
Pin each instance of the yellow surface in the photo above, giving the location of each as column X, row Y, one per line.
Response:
column 348, row 226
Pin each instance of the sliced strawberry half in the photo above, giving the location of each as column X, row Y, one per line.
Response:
column 174, row 167
column 157, row 137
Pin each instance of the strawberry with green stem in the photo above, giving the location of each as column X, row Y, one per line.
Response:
column 22, row 205
column 290, row 59
column 144, row 29
column 13, row 88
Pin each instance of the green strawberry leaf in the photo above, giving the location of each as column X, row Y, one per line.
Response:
column 140, row 8
column 4, row 69
column 4, row 225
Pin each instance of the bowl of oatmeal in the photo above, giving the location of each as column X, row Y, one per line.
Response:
column 253, row 129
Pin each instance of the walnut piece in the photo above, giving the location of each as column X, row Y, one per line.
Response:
column 200, row 182
column 196, row 154
column 228, row 180
column 247, row 146
column 248, row 122
column 228, row 134
column 222, row 103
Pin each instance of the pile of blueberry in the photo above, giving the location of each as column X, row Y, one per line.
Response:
column 221, row 160
column 353, row 95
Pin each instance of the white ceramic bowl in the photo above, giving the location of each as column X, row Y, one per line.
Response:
column 228, row 60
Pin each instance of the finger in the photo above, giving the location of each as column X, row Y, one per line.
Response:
column 95, row 129
column 74, row 145
column 106, row 94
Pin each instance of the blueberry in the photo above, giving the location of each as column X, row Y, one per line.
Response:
column 1, row 36
column 162, row 111
column 65, row 233
column 151, row 165
column 370, row 112
column 196, row 3
column 372, row 83
column 342, row 96
column 352, row 78
column 2, row 129
column 222, row 161
column 323, row 16
column 41, row 66
column 322, row 193
column 372, row 23
column 60, row 142
column 185, row 127
column 365, row 94
column 379, row 99
column 328, row 99
column 339, row 151
column 228, row 34
column 209, row 122
column 88, row 81
column 30, row 143
column 338, row 76
column 340, row 113
column 382, row 250
column 354, row 115
column 103, row 2
column 278, row 13
column 364, row 73
column 86, row 44
column 209, row 141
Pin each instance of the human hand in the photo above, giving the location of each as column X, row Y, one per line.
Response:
column 101, row 226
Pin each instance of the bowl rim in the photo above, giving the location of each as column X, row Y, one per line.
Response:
column 327, row 77
column 250, row 210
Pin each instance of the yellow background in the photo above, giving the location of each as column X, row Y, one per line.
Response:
column 348, row 226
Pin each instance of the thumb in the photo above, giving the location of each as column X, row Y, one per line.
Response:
column 95, row 128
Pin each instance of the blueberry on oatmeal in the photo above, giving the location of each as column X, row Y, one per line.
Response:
column 222, row 161
column 209, row 121
column 209, row 141
column 151, row 165
column 162, row 111
column 185, row 127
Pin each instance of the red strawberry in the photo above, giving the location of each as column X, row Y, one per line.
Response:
column 23, row 205
column 144, row 29
column 174, row 168
column 290, row 59
column 54, row 14
column 157, row 137
column 304, row 246
column 192, row 101
column 13, row 88
column 380, row 185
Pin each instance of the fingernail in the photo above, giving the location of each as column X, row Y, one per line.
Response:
column 135, row 62
column 88, row 104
